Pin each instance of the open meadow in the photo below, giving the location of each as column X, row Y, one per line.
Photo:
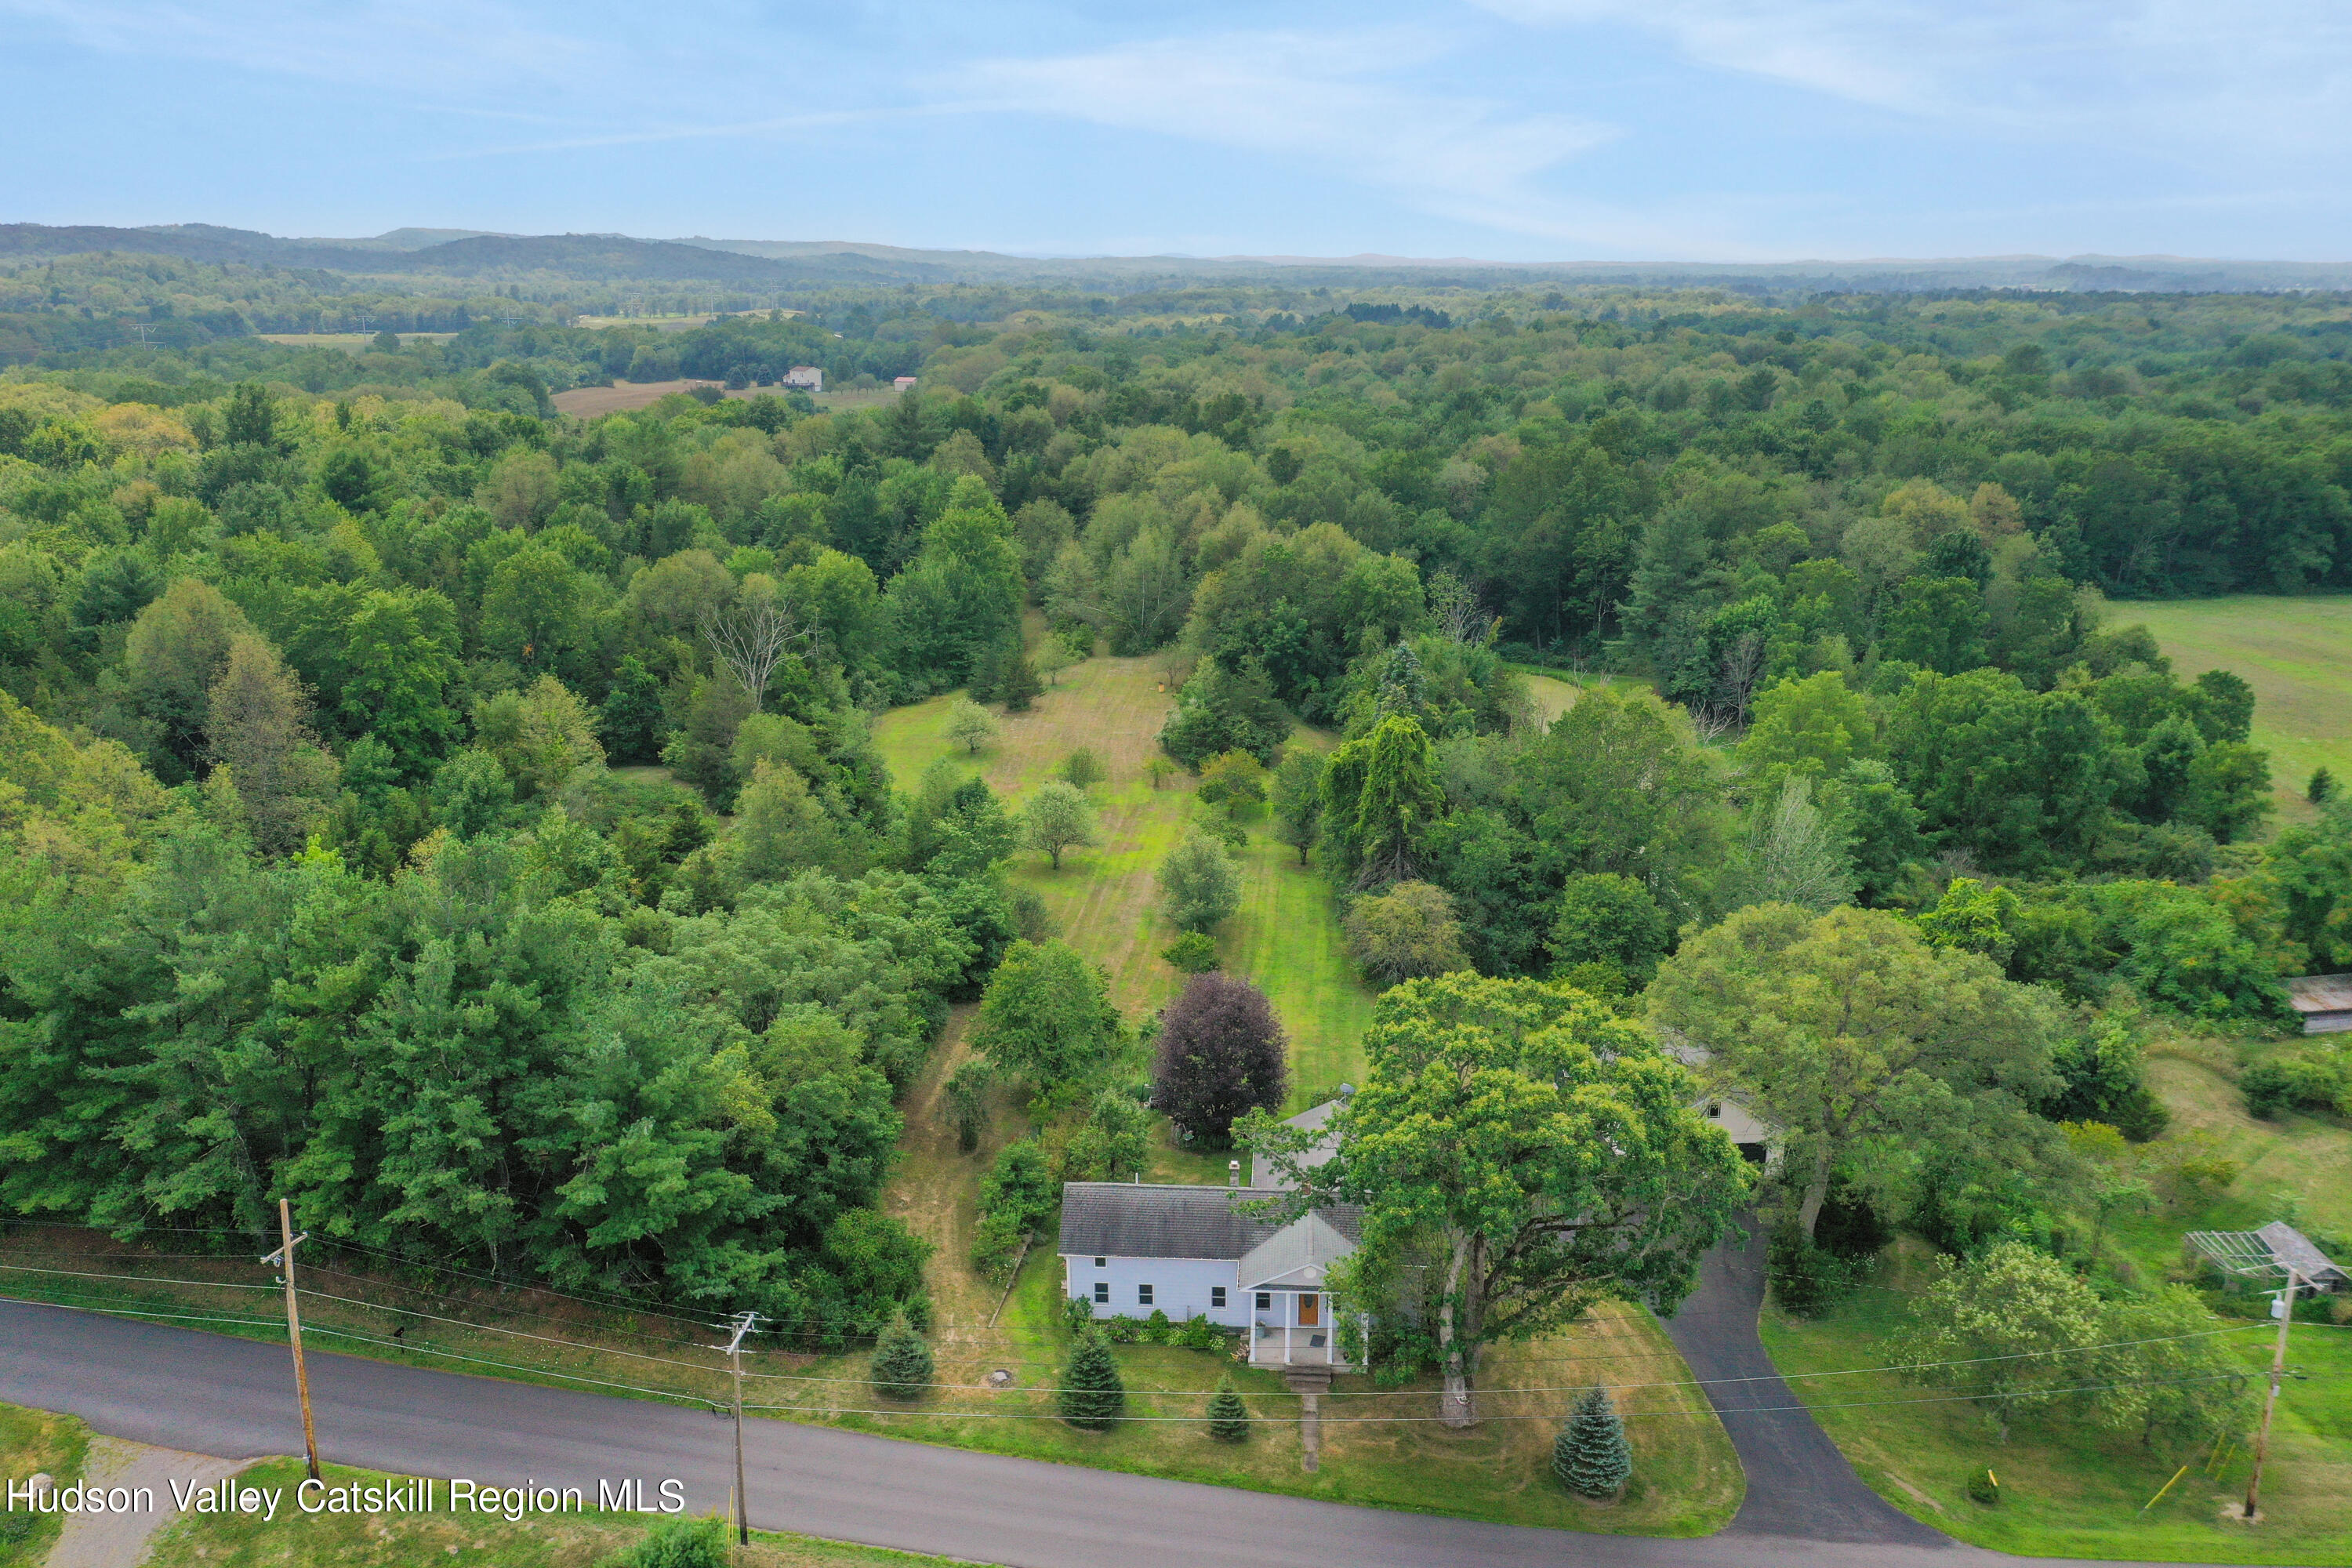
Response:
column 2297, row 656
column 1285, row 939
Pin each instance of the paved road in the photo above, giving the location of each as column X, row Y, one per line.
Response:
column 205, row 1394
column 1799, row 1485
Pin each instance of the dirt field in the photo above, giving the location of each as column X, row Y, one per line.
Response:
column 349, row 343
column 621, row 397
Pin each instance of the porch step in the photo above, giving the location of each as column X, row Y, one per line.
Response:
column 1308, row 1379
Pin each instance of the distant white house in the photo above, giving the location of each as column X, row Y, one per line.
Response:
column 1314, row 1118
column 1130, row 1249
column 903, row 383
column 1758, row 1139
column 803, row 378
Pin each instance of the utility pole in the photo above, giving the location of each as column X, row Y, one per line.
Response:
column 2278, row 1370
column 284, row 1256
column 735, row 1359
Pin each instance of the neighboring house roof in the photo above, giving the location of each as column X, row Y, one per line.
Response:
column 1300, row 1254
column 1121, row 1219
column 2268, row 1253
column 1314, row 1118
column 2324, row 1000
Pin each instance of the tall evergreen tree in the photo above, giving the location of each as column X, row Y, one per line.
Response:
column 1590, row 1455
column 1228, row 1417
column 1092, row 1394
column 902, row 1361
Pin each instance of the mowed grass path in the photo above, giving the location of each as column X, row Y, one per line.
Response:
column 1286, row 937
column 2297, row 656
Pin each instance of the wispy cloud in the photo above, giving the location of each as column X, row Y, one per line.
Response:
column 374, row 45
column 1341, row 106
column 2227, row 72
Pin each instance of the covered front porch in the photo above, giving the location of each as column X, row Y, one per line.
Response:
column 1294, row 1327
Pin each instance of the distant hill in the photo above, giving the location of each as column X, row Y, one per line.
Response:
column 594, row 258
column 792, row 264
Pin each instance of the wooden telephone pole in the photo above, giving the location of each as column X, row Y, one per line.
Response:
column 284, row 1256
column 2278, row 1370
column 735, row 1359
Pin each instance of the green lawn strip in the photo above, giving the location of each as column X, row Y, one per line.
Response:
column 2296, row 653
column 1687, row 1481
column 35, row 1443
column 2067, row 1490
column 297, row 1540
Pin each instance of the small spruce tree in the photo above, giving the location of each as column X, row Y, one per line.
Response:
column 1590, row 1455
column 1228, row 1417
column 2321, row 787
column 902, row 1361
column 1092, row 1394
column 1017, row 686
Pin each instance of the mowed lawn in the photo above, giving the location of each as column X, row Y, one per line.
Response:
column 1284, row 939
column 2297, row 656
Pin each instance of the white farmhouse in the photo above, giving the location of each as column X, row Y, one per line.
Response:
column 803, row 378
column 1130, row 1249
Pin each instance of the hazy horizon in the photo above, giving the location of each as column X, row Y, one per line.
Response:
column 1739, row 132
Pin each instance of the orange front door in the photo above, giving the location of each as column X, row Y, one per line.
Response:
column 1310, row 1311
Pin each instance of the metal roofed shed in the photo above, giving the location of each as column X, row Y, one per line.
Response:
column 2266, row 1254
column 2323, row 1001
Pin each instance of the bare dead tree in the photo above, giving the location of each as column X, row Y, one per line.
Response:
column 1454, row 603
column 1743, row 666
column 753, row 638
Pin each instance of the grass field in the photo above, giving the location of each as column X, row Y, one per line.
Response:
column 2297, row 656
column 1687, row 1479
column 1286, row 938
column 295, row 1540
column 2070, row 1491
column 35, row 1442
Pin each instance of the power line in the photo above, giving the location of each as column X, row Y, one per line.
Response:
column 1362, row 1394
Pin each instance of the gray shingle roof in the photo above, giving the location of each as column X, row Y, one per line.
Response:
column 1120, row 1219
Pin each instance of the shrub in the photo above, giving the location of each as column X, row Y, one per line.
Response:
column 902, row 1361
column 966, row 1101
column 1159, row 1329
column 1984, row 1487
column 1092, row 1396
column 1590, row 1455
column 1083, row 769
column 1806, row 1278
column 1119, row 1329
column 1198, row 1333
column 1194, row 953
column 678, row 1543
column 1228, row 1417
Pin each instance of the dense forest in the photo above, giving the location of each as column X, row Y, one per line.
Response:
column 331, row 679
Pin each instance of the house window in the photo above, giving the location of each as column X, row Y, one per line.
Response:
column 1102, row 1262
column 1143, row 1295
column 1715, row 1110
column 1102, row 1291
column 1216, row 1295
column 1265, row 1301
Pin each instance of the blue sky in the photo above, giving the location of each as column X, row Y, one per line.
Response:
column 1522, row 129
